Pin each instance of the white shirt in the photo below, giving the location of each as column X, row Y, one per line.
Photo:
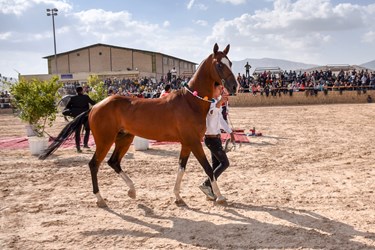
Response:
column 215, row 121
column 363, row 79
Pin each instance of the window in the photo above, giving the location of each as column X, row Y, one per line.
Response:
column 100, row 53
column 78, row 54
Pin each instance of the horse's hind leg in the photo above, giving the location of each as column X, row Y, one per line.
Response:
column 100, row 153
column 94, row 164
column 123, row 141
column 184, row 156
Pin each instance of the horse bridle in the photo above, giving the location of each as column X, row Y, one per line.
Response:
column 219, row 67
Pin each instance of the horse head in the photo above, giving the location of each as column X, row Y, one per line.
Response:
column 222, row 69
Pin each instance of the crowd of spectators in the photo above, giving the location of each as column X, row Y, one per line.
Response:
column 276, row 83
column 4, row 94
column 144, row 87
column 267, row 83
column 5, row 100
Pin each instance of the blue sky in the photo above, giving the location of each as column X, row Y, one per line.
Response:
column 311, row 31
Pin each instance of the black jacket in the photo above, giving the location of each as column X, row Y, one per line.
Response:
column 79, row 104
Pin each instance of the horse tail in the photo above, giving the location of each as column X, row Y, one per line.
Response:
column 65, row 134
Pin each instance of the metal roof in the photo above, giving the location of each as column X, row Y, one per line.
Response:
column 267, row 69
column 117, row 47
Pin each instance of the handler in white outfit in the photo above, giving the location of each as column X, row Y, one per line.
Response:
column 214, row 123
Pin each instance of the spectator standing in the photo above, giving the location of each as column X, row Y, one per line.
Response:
column 169, row 76
column 174, row 73
column 247, row 67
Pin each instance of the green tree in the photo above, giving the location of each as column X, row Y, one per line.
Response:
column 35, row 100
column 98, row 91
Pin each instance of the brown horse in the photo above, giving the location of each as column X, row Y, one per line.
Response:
column 179, row 117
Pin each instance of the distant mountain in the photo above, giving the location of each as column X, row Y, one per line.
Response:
column 238, row 66
column 370, row 65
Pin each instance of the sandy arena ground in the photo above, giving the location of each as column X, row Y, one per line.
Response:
column 308, row 183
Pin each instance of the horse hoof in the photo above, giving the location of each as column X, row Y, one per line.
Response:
column 101, row 204
column 180, row 203
column 131, row 193
column 222, row 201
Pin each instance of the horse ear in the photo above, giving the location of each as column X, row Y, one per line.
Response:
column 216, row 48
column 226, row 49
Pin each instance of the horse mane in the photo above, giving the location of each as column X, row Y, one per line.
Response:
column 180, row 92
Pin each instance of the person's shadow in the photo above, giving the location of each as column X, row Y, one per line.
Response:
column 304, row 229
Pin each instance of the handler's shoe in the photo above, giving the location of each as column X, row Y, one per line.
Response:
column 208, row 192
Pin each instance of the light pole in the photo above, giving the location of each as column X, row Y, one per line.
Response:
column 53, row 13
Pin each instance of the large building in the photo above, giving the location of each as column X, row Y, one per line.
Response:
column 113, row 61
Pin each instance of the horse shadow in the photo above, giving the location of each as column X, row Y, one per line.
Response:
column 163, row 152
column 261, row 144
column 276, row 137
column 71, row 161
column 304, row 229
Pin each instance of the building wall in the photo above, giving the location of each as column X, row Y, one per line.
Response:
column 79, row 61
column 159, row 66
column 143, row 62
column 186, row 68
column 100, row 59
column 62, row 64
column 121, row 59
column 299, row 98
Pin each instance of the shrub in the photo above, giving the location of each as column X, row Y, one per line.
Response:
column 98, row 91
column 35, row 101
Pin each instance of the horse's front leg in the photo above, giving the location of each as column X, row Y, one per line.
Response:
column 184, row 156
column 201, row 157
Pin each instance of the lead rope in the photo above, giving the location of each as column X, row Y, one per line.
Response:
column 195, row 93
column 227, row 142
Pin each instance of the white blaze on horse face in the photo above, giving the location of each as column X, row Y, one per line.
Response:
column 225, row 61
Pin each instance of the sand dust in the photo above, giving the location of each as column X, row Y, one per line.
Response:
column 308, row 183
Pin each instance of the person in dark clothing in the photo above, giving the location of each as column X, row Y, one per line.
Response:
column 169, row 76
column 77, row 105
column 247, row 67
